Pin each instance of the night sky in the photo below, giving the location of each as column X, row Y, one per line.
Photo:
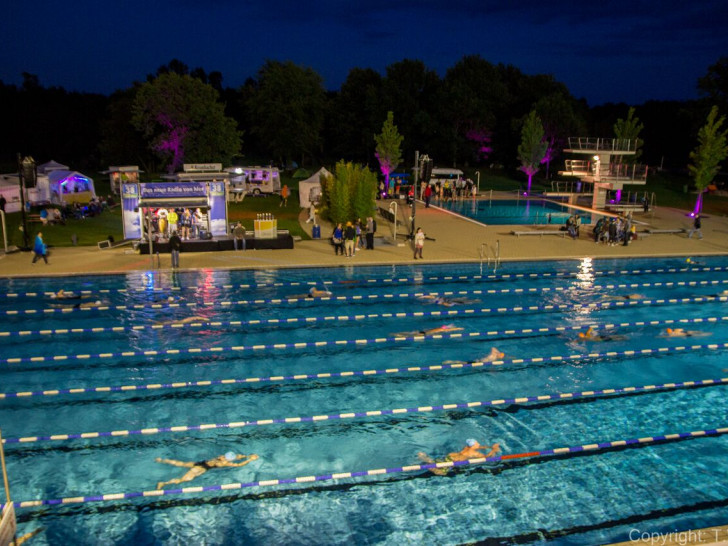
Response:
column 604, row 51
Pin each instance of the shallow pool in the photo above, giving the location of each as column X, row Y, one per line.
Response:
column 324, row 392
column 512, row 211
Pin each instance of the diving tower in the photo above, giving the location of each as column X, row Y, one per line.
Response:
column 604, row 167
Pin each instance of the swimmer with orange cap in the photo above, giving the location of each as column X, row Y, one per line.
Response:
column 592, row 335
column 470, row 451
column 681, row 332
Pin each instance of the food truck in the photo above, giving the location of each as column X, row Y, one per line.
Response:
column 254, row 180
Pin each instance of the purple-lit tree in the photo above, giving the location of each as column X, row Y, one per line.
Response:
column 182, row 120
column 533, row 148
column 481, row 138
column 708, row 155
column 389, row 148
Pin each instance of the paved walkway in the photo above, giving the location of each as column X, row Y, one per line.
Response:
column 456, row 239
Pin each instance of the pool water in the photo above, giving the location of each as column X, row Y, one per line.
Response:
column 289, row 359
column 513, row 211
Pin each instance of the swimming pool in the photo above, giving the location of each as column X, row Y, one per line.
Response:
column 513, row 211
column 323, row 392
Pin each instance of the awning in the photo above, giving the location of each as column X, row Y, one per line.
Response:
column 174, row 202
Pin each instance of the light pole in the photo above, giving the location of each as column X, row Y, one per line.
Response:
column 478, row 173
column 25, row 166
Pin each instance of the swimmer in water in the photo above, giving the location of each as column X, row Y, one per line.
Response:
column 63, row 295
column 445, row 328
column 681, row 332
column 493, row 356
column 470, row 451
column 200, row 467
column 185, row 320
column 625, row 297
column 592, row 335
column 693, row 262
column 312, row 294
column 446, row 302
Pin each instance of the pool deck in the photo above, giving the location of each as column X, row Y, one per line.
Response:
column 453, row 239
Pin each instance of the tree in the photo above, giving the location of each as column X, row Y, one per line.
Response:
column 714, row 84
column 389, row 147
column 708, row 155
column 561, row 119
column 533, row 148
column 629, row 129
column 288, row 110
column 349, row 193
column 182, row 120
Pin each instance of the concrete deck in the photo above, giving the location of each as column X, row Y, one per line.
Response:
column 456, row 239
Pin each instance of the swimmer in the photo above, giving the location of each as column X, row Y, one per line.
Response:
column 63, row 295
column 492, row 356
column 681, row 332
column 592, row 335
column 445, row 328
column 316, row 293
column 693, row 262
column 470, row 451
column 200, row 467
column 446, row 302
column 90, row 305
column 186, row 320
column 624, row 297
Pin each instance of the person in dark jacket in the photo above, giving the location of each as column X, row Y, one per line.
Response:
column 175, row 245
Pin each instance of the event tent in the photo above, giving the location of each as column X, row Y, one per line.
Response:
column 310, row 189
column 70, row 187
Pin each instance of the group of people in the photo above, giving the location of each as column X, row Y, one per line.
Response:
column 186, row 223
column 353, row 236
column 615, row 230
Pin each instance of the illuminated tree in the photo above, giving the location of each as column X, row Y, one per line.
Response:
column 533, row 148
column 708, row 155
column 389, row 148
column 182, row 121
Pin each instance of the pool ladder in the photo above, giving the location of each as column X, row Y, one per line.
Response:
column 489, row 257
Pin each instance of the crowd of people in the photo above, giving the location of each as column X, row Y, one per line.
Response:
column 189, row 224
column 354, row 236
column 615, row 230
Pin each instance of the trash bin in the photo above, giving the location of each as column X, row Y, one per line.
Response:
column 316, row 231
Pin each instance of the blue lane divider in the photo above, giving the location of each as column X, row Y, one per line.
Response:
column 355, row 298
column 326, row 375
column 391, row 339
column 203, row 323
column 362, row 414
column 389, row 281
column 593, row 447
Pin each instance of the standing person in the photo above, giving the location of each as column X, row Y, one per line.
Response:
column 162, row 216
column 175, row 245
column 186, row 224
column 3, row 201
column 428, row 195
column 284, row 195
column 239, row 235
column 312, row 213
column 696, row 228
column 338, row 239
column 39, row 249
column 172, row 218
column 349, row 236
column 370, row 233
column 358, row 241
column 419, row 243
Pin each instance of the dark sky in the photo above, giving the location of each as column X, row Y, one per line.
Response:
column 604, row 51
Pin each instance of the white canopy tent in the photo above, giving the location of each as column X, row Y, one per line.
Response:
column 70, row 187
column 310, row 189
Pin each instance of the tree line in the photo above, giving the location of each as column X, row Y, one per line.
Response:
column 472, row 116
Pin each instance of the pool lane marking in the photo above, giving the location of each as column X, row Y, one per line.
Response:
column 148, row 431
column 560, row 451
column 357, row 298
column 322, row 375
column 341, row 342
column 361, row 316
column 390, row 281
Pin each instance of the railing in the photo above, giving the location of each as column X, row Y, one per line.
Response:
column 602, row 144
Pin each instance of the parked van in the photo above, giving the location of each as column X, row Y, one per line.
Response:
column 255, row 180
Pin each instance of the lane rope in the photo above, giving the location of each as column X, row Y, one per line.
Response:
column 560, row 451
column 362, row 414
column 390, row 339
column 390, row 281
column 72, row 308
column 324, row 375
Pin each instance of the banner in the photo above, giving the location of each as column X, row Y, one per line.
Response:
column 130, row 211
